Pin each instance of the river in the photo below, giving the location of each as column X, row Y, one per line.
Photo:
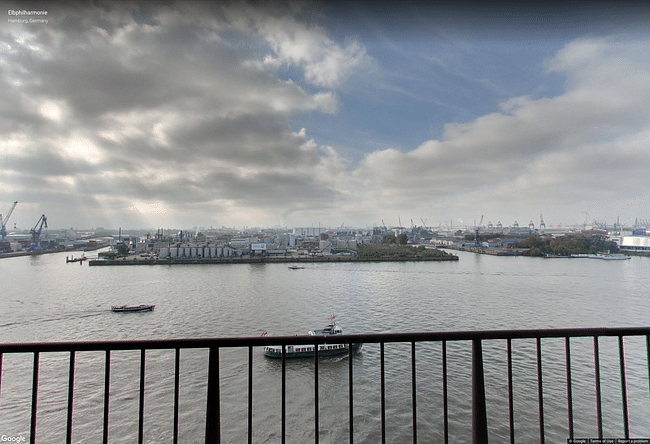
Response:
column 44, row 299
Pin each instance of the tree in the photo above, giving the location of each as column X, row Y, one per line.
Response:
column 389, row 239
column 402, row 239
column 123, row 250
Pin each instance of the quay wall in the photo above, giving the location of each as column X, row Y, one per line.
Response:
column 257, row 260
column 490, row 251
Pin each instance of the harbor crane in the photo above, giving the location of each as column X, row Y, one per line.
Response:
column 477, row 231
column 3, row 222
column 36, row 234
column 542, row 225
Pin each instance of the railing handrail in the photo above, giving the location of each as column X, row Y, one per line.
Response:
column 236, row 342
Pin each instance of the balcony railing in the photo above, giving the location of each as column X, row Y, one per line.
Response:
column 480, row 427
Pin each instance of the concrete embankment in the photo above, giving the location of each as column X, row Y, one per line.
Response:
column 259, row 260
column 490, row 251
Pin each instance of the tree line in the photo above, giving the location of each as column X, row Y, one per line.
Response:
column 395, row 251
column 566, row 245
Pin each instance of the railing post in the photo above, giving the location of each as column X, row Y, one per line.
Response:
column 250, row 394
column 141, row 408
column 511, row 402
column 599, row 410
column 350, row 394
column 383, row 393
column 540, row 391
column 445, row 394
column 68, row 435
column 32, row 432
column 1, row 374
column 107, row 383
column 316, row 412
column 212, row 412
column 284, row 392
column 414, row 394
column 569, row 393
column 177, row 366
column 479, row 410
column 626, row 418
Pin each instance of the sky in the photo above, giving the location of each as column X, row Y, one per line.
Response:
column 357, row 114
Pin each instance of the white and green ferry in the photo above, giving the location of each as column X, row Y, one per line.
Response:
column 307, row 351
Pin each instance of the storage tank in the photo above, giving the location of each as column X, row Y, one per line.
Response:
column 187, row 252
column 164, row 253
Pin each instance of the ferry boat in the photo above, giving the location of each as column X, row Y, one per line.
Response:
column 307, row 351
column 132, row 308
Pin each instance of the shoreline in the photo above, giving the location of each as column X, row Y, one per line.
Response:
column 257, row 260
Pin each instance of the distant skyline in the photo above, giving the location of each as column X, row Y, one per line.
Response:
column 184, row 114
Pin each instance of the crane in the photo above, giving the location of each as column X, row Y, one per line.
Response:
column 477, row 233
column 541, row 222
column 3, row 222
column 36, row 234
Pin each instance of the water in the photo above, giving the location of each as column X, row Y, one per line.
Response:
column 45, row 299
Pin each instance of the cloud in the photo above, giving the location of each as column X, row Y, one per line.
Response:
column 175, row 105
column 177, row 114
column 324, row 62
column 537, row 151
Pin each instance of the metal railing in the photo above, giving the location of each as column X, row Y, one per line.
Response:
column 480, row 426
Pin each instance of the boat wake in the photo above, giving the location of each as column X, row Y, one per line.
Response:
column 33, row 320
